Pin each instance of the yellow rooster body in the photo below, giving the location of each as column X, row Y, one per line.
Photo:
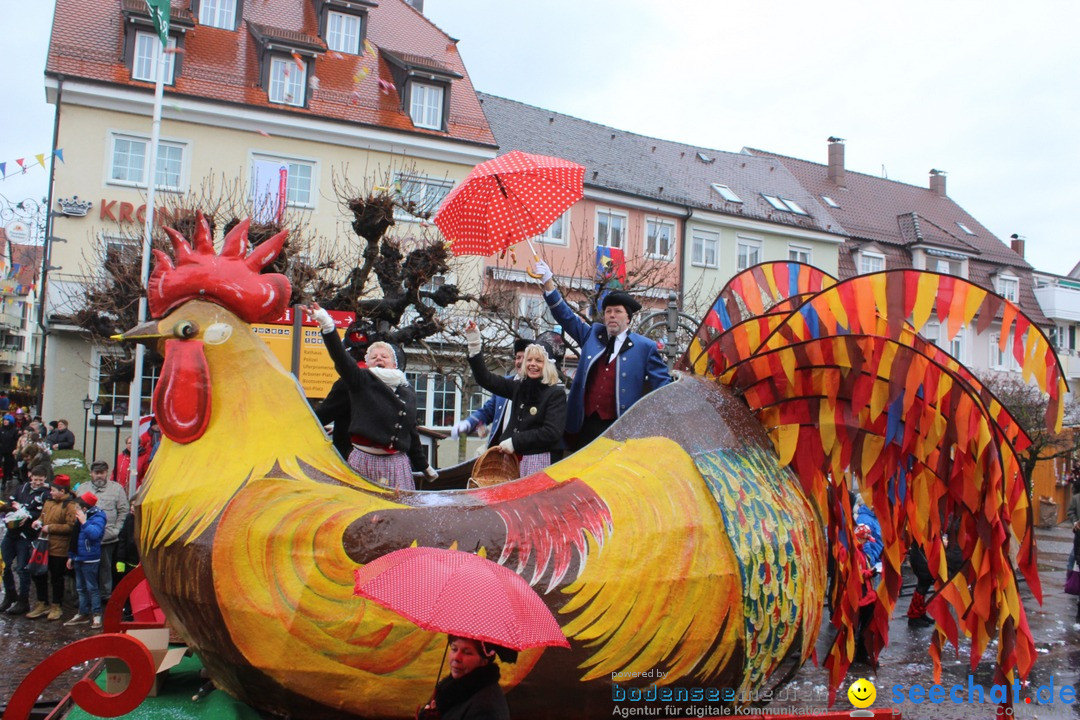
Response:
column 251, row 534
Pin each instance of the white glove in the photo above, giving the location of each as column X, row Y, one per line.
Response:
column 507, row 446
column 472, row 337
column 326, row 323
column 430, row 473
column 462, row 428
column 541, row 268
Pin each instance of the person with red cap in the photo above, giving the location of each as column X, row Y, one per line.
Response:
column 84, row 557
column 56, row 523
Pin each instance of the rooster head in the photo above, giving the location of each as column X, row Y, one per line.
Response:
column 182, row 294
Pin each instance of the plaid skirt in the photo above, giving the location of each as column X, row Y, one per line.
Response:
column 393, row 471
column 534, row 463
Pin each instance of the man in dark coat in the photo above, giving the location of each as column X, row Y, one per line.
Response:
column 61, row 438
column 616, row 369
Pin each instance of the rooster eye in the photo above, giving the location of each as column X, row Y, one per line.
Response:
column 185, row 330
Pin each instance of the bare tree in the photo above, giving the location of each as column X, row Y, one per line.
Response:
column 1028, row 405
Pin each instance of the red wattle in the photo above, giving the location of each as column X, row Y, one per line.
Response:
column 182, row 396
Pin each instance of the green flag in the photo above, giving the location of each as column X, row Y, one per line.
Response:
column 159, row 13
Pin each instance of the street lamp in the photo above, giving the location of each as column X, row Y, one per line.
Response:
column 87, row 403
column 118, row 422
column 95, row 410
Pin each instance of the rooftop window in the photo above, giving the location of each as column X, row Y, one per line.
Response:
column 830, row 202
column 705, row 158
column 725, row 192
column 965, row 228
column 218, row 13
column 784, row 204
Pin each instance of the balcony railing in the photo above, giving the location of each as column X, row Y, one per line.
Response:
column 10, row 320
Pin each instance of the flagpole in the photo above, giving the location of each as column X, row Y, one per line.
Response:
column 135, row 393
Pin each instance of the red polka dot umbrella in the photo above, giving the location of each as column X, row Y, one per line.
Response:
column 462, row 594
column 507, row 199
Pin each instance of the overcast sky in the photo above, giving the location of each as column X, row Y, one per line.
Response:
column 987, row 91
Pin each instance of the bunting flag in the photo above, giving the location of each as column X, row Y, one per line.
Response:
column 24, row 166
column 853, row 396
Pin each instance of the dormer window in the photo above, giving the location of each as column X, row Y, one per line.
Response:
column 424, row 84
column 285, row 56
column 287, row 81
column 144, row 62
column 343, row 32
column 142, row 44
column 426, row 105
column 1008, row 287
column 218, row 13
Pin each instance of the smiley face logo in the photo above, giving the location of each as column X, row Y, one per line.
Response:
column 862, row 693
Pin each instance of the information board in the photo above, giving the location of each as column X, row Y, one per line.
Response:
column 316, row 372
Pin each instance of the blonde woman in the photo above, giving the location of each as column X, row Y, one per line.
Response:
column 536, row 403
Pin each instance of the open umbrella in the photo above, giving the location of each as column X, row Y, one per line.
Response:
column 507, row 199
column 461, row 594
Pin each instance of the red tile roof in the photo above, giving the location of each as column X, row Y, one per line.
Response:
column 897, row 216
column 88, row 42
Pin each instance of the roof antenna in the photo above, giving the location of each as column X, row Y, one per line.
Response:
column 884, row 172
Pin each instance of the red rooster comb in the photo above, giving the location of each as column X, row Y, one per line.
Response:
column 230, row 279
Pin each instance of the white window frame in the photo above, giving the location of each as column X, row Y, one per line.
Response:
column 660, row 223
column 426, row 413
column 1002, row 361
column 776, row 202
column 426, row 101
column 534, row 309
column 965, row 228
column 794, row 206
column 557, row 232
column 343, row 38
column 699, row 256
column 293, row 196
column 726, row 192
column 750, row 244
column 866, row 256
column 1006, row 282
column 143, row 68
column 163, row 157
column 150, row 375
column 830, row 202
column 612, row 214
column 802, row 253
column 430, row 192
column 214, row 13
column 283, row 87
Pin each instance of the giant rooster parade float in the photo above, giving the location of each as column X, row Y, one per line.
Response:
column 687, row 547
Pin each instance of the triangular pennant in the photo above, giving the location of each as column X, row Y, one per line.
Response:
column 3, row 169
column 59, row 152
column 40, row 157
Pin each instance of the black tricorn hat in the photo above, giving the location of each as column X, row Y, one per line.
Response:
column 520, row 344
column 618, row 297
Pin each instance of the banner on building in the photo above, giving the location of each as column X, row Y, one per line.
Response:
column 610, row 273
column 269, row 190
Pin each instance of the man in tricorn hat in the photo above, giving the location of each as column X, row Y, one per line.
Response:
column 617, row 367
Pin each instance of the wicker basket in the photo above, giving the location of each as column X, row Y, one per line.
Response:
column 494, row 467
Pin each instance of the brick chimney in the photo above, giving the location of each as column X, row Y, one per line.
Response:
column 1017, row 244
column 836, row 161
column 937, row 182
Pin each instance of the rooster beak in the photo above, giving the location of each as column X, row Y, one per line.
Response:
column 147, row 332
